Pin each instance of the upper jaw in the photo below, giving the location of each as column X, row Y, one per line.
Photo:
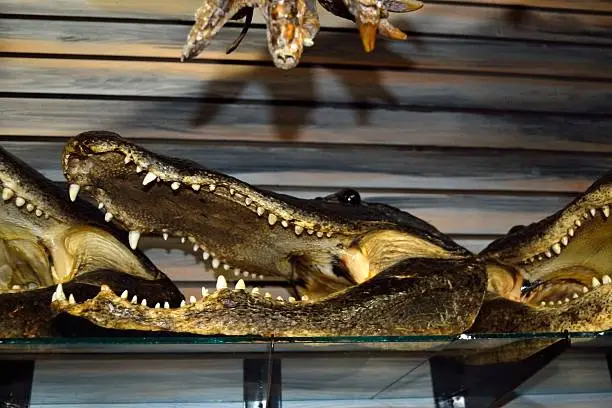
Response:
column 107, row 165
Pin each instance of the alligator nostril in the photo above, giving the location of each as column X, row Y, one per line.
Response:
column 285, row 61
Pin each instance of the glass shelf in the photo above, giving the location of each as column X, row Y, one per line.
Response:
column 324, row 372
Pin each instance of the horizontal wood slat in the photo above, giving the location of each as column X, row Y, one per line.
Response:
column 324, row 168
column 442, row 18
column 390, row 88
column 106, row 39
column 197, row 120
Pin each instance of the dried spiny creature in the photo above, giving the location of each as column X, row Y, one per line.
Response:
column 293, row 24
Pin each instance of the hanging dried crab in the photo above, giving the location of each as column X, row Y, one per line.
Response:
column 292, row 25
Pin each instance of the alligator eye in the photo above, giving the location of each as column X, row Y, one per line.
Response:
column 349, row 196
column 515, row 229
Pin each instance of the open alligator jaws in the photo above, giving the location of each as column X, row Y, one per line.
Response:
column 45, row 240
column 358, row 268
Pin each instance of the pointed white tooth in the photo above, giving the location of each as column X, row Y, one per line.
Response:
column 100, row 206
column 248, row 200
column 205, row 255
column 284, row 223
column 183, row 239
column 236, row 272
column 149, row 178
column 261, row 277
column 7, row 193
column 157, row 305
column 232, row 191
column 310, row 232
column 542, row 303
column 272, row 219
column 305, row 298
column 127, row 159
column 556, row 248
column 134, row 300
column 551, row 303
column 165, row 235
column 166, row 305
column 138, row 169
column 240, row 285
column 124, row 294
column 175, row 185
column 215, row 263
column 592, row 211
column 192, row 299
column 196, row 187
column 260, row 211
column 73, row 191
column 585, row 289
column 182, row 303
column 575, row 296
column 578, row 223
column 255, row 291
column 212, row 187
column 267, row 295
column 226, row 267
column 134, row 236
column 204, row 291
column 19, row 202
column 298, row 230
column 143, row 302
column 30, row 207
column 329, row 234
column 571, row 232
column 291, row 299
column 606, row 211
column 196, row 247
column 108, row 216
column 548, row 254
column 59, row 292
column 560, row 302
column 606, row 279
column 246, row 274
column 565, row 240
column 280, row 299
column 595, row 282
column 221, row 282
column 319, row 234
column 53, row 297
column 71, row 299
column 38, row 212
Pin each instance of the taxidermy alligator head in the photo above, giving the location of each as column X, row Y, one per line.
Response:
column 46, row 239
column 360, row 268
column 560, row 265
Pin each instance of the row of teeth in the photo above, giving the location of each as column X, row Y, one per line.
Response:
column 595, row 283
column 241, row 198
column 134, row 238
column 557, row 247
column 59, row 295
column 20, row 202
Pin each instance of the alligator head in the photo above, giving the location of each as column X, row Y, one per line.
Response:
column 46, row 239
column 327, row 247
column 321, row 244
column 561, row 265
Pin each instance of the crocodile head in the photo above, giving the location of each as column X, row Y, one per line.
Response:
column 561, row 261
column 45, row 239
column 321, row 245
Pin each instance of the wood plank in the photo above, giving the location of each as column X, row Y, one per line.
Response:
column 332, row 49
column 586, row 5
column 331, row 167
column 447, row 19
column 388, row 88
column 199, row 120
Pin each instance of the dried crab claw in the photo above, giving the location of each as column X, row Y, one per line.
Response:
column 291, row 25
column 371, row 16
